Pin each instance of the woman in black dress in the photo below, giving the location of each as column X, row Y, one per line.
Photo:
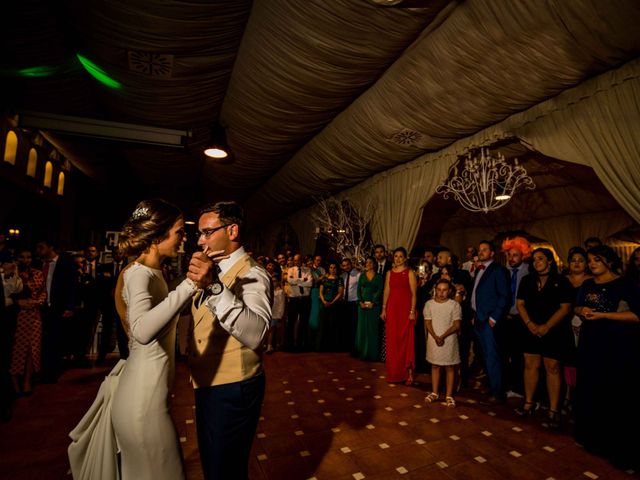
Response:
column 577, row 274
column 331, row 335
column 544, row 303
column 606, row 410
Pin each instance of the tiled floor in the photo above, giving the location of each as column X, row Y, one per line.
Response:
column 326, row 416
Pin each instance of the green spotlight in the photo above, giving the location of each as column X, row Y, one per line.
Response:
column 44, row 71
column 97, row 73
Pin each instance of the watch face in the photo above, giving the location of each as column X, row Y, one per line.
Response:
column 215, row 288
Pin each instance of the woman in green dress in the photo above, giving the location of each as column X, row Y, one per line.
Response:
column 330, row 334
column 370, row 286
column 318, row 272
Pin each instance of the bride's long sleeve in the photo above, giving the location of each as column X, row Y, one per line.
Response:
column 147, row 320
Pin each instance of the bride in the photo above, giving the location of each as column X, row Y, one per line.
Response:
column 144, row 431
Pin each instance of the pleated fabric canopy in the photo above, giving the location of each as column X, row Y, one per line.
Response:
column 316, row 96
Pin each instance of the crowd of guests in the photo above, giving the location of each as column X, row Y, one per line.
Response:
column 51, row 308
column 565, row 339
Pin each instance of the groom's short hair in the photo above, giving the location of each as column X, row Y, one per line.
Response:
column 228, row 212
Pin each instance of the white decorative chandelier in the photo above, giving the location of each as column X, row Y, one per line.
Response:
column 486, row 183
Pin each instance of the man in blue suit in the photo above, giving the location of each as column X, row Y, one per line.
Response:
column 490, row 302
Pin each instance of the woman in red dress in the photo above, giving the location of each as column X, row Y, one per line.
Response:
column 25, row 358
column 399, row 315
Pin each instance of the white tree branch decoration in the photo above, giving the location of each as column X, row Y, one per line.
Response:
column 346, row 228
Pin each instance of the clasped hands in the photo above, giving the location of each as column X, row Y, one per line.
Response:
column 202, row 269
column 412, row 316
column 538, row 330
column 588, row 313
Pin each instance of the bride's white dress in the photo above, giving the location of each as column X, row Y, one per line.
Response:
column 145, row 433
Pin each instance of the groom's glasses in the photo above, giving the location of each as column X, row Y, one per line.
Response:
column 207, row 232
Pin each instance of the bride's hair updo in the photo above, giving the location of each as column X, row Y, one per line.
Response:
column 149, row 223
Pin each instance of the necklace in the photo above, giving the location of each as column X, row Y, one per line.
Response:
column 542, row 280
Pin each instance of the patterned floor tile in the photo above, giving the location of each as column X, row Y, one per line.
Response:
column 303, row 440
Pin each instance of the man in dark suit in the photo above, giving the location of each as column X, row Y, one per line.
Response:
column 490, row 301
column 86, row 318
column 61, row 283
column 383, row 264
column 109, row 273
column 513, row 336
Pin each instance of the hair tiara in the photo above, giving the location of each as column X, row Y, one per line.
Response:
column 139, row 213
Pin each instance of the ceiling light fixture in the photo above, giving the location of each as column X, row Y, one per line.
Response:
column 215, row 151
column 217, row 148
column 486, row 183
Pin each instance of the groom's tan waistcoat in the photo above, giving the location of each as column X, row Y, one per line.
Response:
column 215, row 357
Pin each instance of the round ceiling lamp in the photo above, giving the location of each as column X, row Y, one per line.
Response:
column 217, row 148
column 215, row 151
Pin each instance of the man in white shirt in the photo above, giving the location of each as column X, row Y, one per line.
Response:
column 11, row 282
column 300, row 279
column 429, row 256
column 469, row 265
column 231, row 318
column 350, row 277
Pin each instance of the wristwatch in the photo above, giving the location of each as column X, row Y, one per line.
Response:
column 214, row 288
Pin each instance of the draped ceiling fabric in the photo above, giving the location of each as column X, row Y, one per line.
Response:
column 484, row 62
column 602, row 132
column 301, row 63
column 398, row 198
column 304, row 226
column 318, row 96
column 595, row 124
column 189, row 96
column 401, row 193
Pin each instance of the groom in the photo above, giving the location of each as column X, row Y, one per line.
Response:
column 230, row 319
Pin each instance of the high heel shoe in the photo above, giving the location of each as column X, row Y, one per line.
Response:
column 554, row 422
column 410, row 380
column 527, row 409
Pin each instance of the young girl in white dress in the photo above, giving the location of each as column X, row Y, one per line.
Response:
column 442, row 317
column 145, row 433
